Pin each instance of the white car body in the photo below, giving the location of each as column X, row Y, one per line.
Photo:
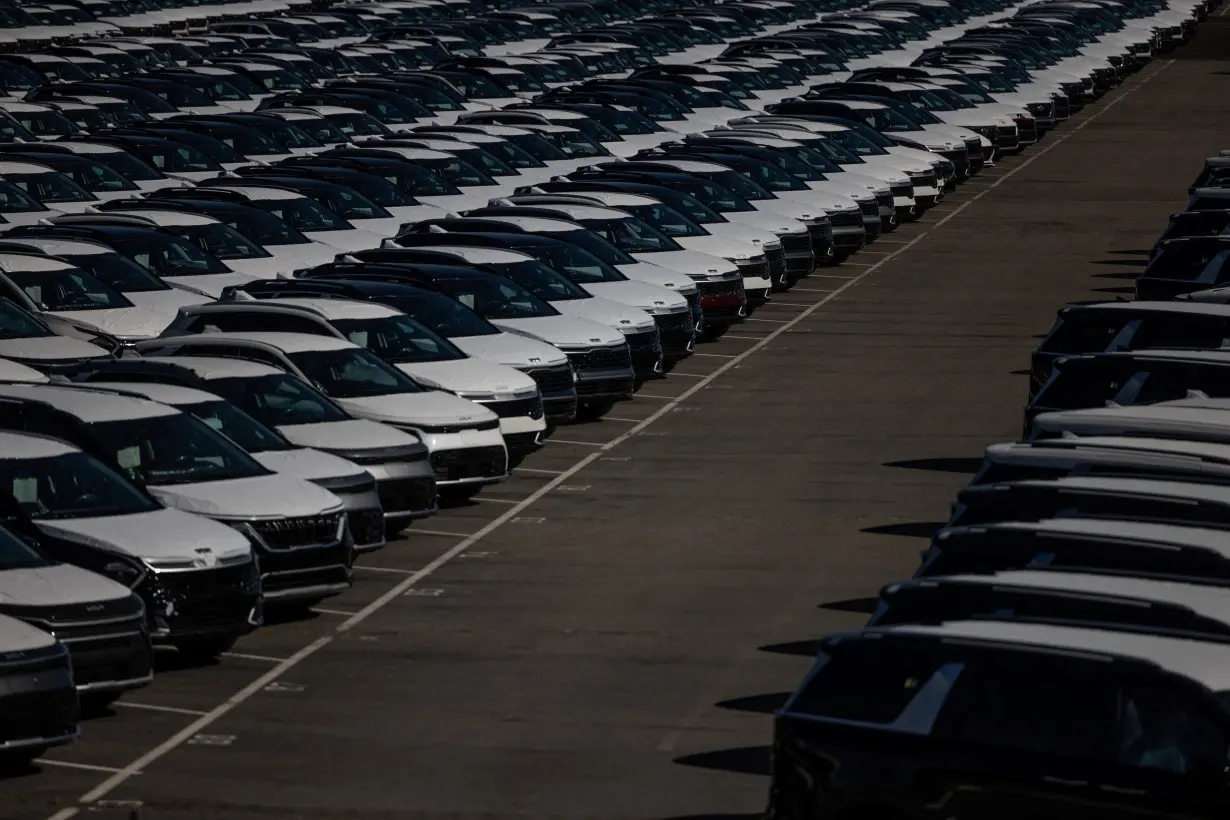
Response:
column 352, row 239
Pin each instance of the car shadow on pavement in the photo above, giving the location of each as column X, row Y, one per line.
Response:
column 1128, row 290
column 753, row 816
column 1116, row 275
column 909, row 529
column 1133, row 252
column 741, row 760
column 803, row 649
column 939, row 465
column 765, row 704
column 1134, row 263
column 855, row 606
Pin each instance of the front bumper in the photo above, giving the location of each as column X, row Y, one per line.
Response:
column 723, row 302
column 557, row 384
column 366, row 516
column 470, row 465
column 219, row 602
column 406, row 490
column 645, row 351
column 676, row 334
column 39, row 703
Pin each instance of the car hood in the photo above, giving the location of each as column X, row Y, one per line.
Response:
column 658, row 275
column 512, row 349
column 822, row 198
column 974, row 117
column 637, row 142
column 562, row 331
column 693, row 263
column 452, row 203
column 47, row 349
column 471, row 375
column 354, row 435
column 19, row 636
column 777, row 223
column 613, row 314
column 169, row 300
column 122, row 323
column 728, row 246
column 212, row 283
column 641, row 295
column 431, row 408
column 270, row 496
column 351, row 240
column 839, row 186
column 57, row 585
column 153, row 536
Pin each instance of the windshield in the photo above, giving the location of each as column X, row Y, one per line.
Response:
column 118, row 271
column 304, row 214
column 45, row 123
column 89, row 119
column 15, row 323
column 16, row 553
column 326, row 132
column 14, row 200
column 632, row 235
column 993, row 83
column 412, row 179
column 624, row 123
column 172, row 449
column 574, row 143
column 667, row 220
column 457, row 171
column 67, row 289
column 377, row 189
column 259, row 226
column 535, row 145
column 94, row 176
column 541, row 280
column 852, row 142
column 50, row 187
column 246, row 141
column 398, row 339
column 352, row 373
column 220, row 241
column 169, row 255
column 443, row 316
column 496, row 298
column 73, row 485
column 238, row 426
column 581, row 266
column 124, row 163
column 354, row 124
column 169, row 157
column 279, row 399
column 511, row 155
column 596, row 244
column 345, row 202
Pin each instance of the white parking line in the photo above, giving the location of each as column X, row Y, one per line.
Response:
column 733, row 336
column 496, row 500
column 413, row 530
column 394, row 570
column 713, row 355
column 619, row 419
column 537, row 471
column 812, row 290
column 770, row 321
column 338, row 612
column 86, row 767
column 175, row 710
column 653, row 396
column 691, row 375
column 118, row 778
column 571, row 441
column 247, row 657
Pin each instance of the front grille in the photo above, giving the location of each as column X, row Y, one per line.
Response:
column 644, row 344
column 41, row 714
column 295, row 575
column 1027, row 130
column 203, row 599
column 851, row 218
column 777, row 264
column 676, row 332
column 514, row 408
column 115, row 650
column 796, row 243
column 756, row 269
column 417, row 452
column 957, row 158
column 1062, row 109
column 886, row 200
column 367, row 528
column 900, row 190
column 602, row 358
column 695, row 309
column 300, row 532
column 399, row 496
column 553, row 379
column 925, row 179
column 727, row 287
column 469, row 462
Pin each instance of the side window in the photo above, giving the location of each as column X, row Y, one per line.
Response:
column 1179, row 331
column 866, row 682
column 13, row 294
column 1032, row 705
column 1164, row 728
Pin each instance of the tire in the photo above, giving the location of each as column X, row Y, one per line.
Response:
column 593, row 411
column 712, row 333
column 204, row 650
column 394, row 528
column 459, row 495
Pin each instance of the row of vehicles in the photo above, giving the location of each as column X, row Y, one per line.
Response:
column 278, row 279
column 1062, row 647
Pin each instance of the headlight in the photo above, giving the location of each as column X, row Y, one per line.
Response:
column 477, row 396
column 123, row 569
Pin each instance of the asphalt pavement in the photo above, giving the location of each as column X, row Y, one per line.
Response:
column 606, row 634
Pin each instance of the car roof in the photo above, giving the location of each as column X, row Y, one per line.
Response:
column 17, row 167
column 1211, row 539
column 1217, row 493
column 89, row 407
column 285, row 342
column 1206, row 663
column 257, row 192
column 169, row 394
column 30, row 263
column 611, row 199
column 168, row 219
column 535, row 223
column 1192, row 421
column 330, row 309
column 476, row 255
column 1181, row 447
column 1193, row 308
column 54, row 246
column 216, row 367
column 582, row 211
column 15, row 446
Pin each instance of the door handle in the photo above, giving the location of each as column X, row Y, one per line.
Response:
column 1059, row 781
column 1122, row 790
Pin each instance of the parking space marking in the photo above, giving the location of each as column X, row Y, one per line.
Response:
column 811, row 290
column 572, row 441
column 837, row 275
column 339, row 612
column 535, row 470
column 395, row 570
column 190, row 733
column 692, row 375
column 771, row 321
column 733, row 336
column 445, row 533
column 654, row 396
column 247, row 657
column 619, row 419
column 496, row 500
column 716, row 355
column 175, row 710
column 85, row 767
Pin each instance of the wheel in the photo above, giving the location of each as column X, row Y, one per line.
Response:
column 95, row 703
column 394, row 528
column 204, row 650
column 459, row 495
column 592, row 411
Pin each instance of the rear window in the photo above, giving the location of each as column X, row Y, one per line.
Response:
column 866, row 682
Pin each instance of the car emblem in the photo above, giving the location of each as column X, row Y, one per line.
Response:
column 464, row 418
column 595, row 340
column 14, row 656
column 205, row 557
column 532, row 361
column 626, row 322
column 95, row 608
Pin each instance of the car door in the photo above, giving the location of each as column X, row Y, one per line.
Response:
column 1020, row 734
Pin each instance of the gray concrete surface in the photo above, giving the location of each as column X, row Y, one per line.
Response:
column 612, row 645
